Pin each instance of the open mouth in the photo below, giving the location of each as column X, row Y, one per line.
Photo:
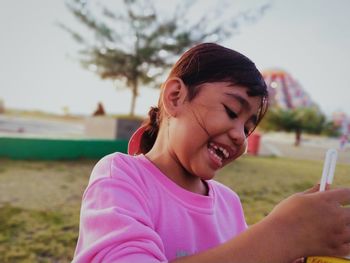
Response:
column 218, row 153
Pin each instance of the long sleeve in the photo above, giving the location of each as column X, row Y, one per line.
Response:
column 116, row 226
column 132, row 212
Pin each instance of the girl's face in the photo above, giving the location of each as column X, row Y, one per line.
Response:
column 211, row 130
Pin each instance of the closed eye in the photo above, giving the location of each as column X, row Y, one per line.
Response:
column 231, row 114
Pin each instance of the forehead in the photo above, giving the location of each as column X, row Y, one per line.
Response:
column 227, row 92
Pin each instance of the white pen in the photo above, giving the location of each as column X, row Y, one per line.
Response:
column 328, row 168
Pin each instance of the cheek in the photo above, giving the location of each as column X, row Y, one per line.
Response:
column 184, row 134
column 216, row 124
column 197, row 123
column 210, row 121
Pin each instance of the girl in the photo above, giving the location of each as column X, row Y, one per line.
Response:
column 162, row 205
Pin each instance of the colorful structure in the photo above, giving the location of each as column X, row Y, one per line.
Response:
column 285, row 92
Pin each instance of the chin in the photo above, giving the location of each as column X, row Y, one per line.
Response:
column 207, row 176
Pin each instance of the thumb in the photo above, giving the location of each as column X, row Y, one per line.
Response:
column 316, row 188
column 313, row 189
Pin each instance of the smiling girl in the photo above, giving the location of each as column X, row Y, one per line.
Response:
column 160, row 204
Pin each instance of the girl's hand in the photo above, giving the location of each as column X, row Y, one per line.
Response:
column 315, row 223
column 305, row 224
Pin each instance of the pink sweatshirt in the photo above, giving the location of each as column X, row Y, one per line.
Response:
column 132, row 212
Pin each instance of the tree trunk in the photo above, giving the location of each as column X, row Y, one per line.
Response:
column 297, row 137
column 133, row 98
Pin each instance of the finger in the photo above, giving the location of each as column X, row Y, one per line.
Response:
column 316, row 188
column 346, row 235
column 339, row 195
column 299, row 260
column 343, row 250
column 347, row 217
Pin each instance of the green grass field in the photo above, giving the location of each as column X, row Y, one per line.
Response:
column 40, row 201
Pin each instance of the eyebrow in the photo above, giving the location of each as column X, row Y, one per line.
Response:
column 240, row 99
column 245, row 104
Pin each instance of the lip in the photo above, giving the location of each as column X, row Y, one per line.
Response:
column 232, row 152
column 214, row 163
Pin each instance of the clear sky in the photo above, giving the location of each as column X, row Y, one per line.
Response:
column 310, row 39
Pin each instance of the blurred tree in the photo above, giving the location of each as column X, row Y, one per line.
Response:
column 309, row 120
column 135, row 44
column 330, row 129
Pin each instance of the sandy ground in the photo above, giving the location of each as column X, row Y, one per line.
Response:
column 311, row 147
column 19, row 126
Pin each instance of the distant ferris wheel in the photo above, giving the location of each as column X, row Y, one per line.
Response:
column 284, row 91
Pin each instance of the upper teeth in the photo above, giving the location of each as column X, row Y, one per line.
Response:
column 224, row 151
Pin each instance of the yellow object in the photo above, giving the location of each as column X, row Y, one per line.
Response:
column 327, row 260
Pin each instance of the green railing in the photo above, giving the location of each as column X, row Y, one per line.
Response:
column 57, row 149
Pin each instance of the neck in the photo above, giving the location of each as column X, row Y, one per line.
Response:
column 171, row 167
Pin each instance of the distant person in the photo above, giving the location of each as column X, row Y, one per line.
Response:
column 343, row 141
column 345, row 129
column 100, row 110
column 160, row 204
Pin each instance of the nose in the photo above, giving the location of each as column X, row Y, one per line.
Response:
column 237, row 135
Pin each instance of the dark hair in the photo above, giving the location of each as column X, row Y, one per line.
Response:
column 205, row 63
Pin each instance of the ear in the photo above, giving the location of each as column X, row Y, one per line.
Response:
column 174, row 96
